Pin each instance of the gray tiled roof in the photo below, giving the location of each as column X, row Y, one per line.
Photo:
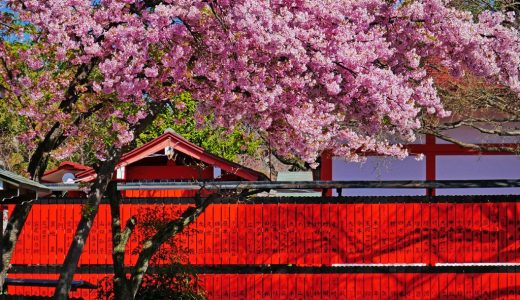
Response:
column 22, row 182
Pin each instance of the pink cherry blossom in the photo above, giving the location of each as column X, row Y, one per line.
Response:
column 308, row 75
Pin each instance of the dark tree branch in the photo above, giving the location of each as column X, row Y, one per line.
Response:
column 476, row 147
column 354, row 74
column 514, row 132
column 218, row 17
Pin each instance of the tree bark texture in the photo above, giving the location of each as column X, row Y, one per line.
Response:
column 89, row 212
column 11, row 234
column 119, row 242
column 97, row 190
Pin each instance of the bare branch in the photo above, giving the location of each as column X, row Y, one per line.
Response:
column 473, row 124
column 354, row 74
column 476, row 147
column 515, row 132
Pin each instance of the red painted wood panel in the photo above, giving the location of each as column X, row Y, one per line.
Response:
column 334, row 234
column 283, row 239
column 297, row 234
column 233, row 234
column 384, row 242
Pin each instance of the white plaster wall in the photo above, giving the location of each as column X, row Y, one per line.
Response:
column 379, row 168
column 450, row 167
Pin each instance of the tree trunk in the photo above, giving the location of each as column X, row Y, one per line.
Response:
column 89, row 212
column 119, row 242
column 37, row 165
column 171, row 229
column 11, row 234
column 98, row 189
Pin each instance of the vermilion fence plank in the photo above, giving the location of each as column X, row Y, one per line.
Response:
column 461, row 229
column 217, row 234
column 358, row 232
column 434, row 234
column 192, row 243
column 250, row 232
column 299, row 236
column 451, row 242
column 200, row 254
column 233, row 287
column 376, row 234
column 208, row 235
column 247, row 286
column 233, row 234
column 495, row 285
column 326, row 287
column 61, row 235
column 258, row 286
column 486, row 230
column 226, row 285
column 225, row 239
column 384, row 242
column 70, row 225
column 510, row 231
column 316, row 225
column 104, row 217
column 275, row 241
column 443, row 232
column 359, row 285
column 502, row 286
column 283, row 239
column 242, row 234
column 282, row 286
column 209, row 286
column 512, row 284
column 495, row 227
column 306, row 236
column 334, row 234
column 425, row 234
column 46, row 241
column 468, row 231
column 137, row 236
column 367, row 233
column 410, row 233
column 485, row 286
column 54, row 213
column 242, row 287
column 477, row 228
column 93, row 242
column 350, row 234
column 29, row 233
column 259, row 256
column 400, row 231
column 267, row 232
column 417, row 253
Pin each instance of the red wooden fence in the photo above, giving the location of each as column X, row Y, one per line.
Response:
column 332, row 286
column 308, row 234
column 299, row 234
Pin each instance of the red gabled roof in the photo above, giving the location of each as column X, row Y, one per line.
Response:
column 64, row 167
column 180, row 144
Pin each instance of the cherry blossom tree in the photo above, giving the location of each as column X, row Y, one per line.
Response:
column 490, row 109
column 306, row 75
